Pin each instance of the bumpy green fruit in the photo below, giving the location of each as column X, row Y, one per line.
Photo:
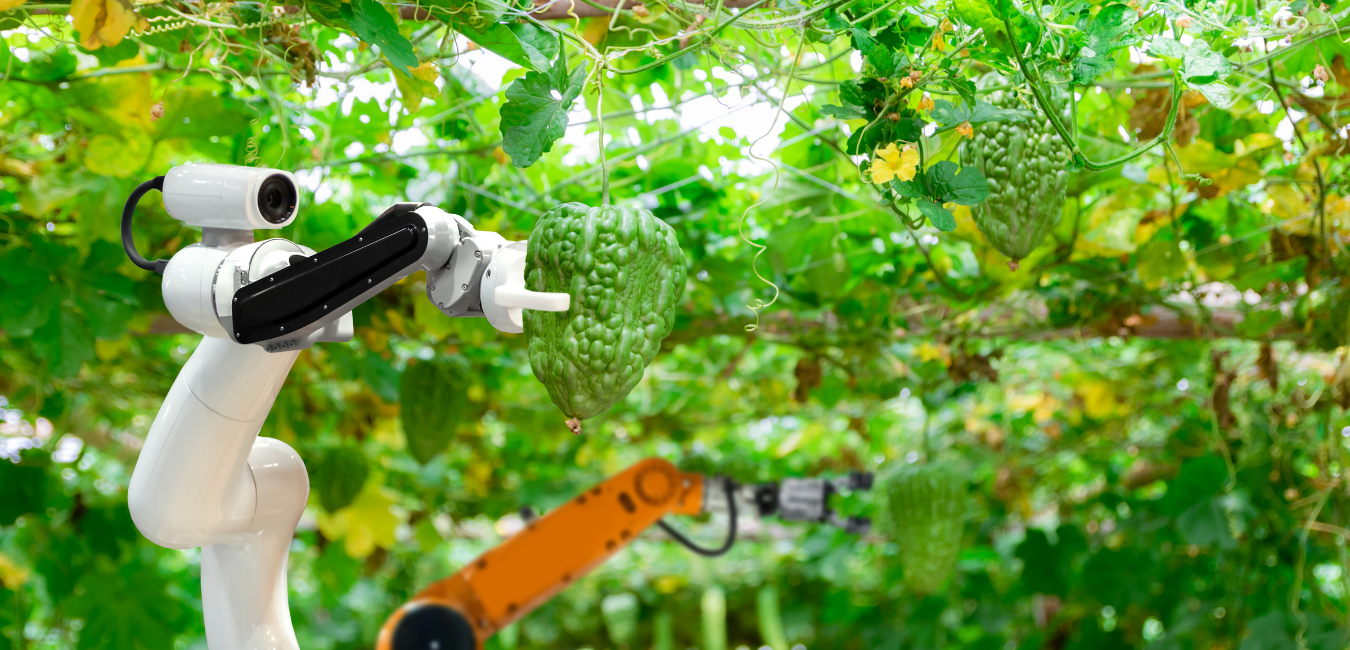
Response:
column 434, row 398
column 338, row 475
column 625, row 272
column 1025, row 164
column 922, row 509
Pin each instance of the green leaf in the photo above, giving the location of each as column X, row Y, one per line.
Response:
column 954, row 184
column 535, row 114
column 1160, row 261
column 1109, row 30
column 1199, row 479
column 126, row 607
column 1256, row 324
column 1197, row 62
column 862, row 40
column 24, row 488
column 876, row 54
column 1269, row 632
column 380, row 376
column 1044, row 564
column 1089, row 66
column 1169, row 50
column 842, row 112
column 1206, row 523
column 1220, row 94
column 524, row 44
column 27, row 305
column 910, row 189
column 940, row 217
column 949, row 114
column 328, row 13
column 990, row 16
column 64, row 342
column 373, row 24
column 963, row 87
column 1204, row 65
column 109, row 56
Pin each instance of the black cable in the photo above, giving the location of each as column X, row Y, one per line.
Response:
column 731, row 528
column 129, row 244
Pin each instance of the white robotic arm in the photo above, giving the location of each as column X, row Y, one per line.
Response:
column 204, row 478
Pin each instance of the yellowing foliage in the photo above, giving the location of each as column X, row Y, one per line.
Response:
column 102, row 22
column 1099, row 398
column 366, row 524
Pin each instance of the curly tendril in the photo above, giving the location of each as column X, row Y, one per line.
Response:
column 758, row 304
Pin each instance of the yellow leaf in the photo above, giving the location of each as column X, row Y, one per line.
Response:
column 11, row 574
column 365, row 524
column 102, row 22
column 1285, row 201
column 669, row 584
column 1099, row 400
column 1200, row 157
column 6, row 5
column 596, row 30
column 1111, row 226
column 479, row 475
column 1155, row 220
column 412, row 88
column 431, row 320
column 1255, row 142
column 110, row 350
column 118, row 157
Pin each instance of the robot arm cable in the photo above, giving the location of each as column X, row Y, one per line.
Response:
column 731, row 529
column 158, row 266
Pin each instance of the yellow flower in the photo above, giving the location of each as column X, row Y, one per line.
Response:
column 965, row 130
column 906, row 82
column 893, row 163
column 925, row 103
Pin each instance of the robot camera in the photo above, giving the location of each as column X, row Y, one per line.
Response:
column 231, row 197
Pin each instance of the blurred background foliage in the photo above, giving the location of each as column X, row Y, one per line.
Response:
column 1150, row 413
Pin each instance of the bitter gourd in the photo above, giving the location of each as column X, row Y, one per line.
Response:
column 625, row 272
column 1026, row 166
column 434, row 401
column 922, row 509
column 338, row 476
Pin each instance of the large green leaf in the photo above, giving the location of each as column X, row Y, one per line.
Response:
column 373, row 24
column 535, row 114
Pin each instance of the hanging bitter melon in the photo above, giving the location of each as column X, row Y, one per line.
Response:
column 1026, row 164
column 922, row 509
column 625, row 272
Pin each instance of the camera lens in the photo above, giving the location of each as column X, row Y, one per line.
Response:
column 276, row 199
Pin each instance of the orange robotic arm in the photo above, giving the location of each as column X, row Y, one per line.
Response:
column 509, row 581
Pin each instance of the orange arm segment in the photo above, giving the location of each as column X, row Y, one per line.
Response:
column 522, row 573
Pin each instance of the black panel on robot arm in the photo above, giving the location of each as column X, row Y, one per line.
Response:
column 313, row 287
